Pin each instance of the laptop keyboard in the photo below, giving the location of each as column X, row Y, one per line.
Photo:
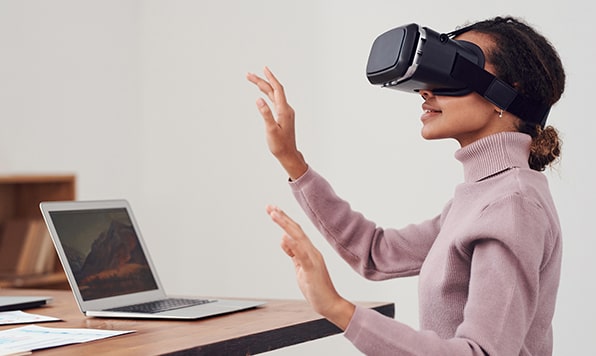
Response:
column 162, row 305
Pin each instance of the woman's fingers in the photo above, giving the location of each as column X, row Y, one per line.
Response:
column 286, row 245
column 274, row 91
column 271, row 87
column 291, row 227
column 294, row 242
column 262, row 84
column 279, row 94
column 266, row 113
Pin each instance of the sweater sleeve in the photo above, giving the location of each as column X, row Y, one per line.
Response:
column 374, row 252
column 375, row 334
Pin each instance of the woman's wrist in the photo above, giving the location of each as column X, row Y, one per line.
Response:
column 295, row 165
column 341, row 314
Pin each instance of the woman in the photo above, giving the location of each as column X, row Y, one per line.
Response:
column 489, row 263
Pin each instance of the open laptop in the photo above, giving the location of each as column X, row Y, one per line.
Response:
column 20, row 302
column 109, row 268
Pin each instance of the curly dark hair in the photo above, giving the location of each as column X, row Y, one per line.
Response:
column 527, row 61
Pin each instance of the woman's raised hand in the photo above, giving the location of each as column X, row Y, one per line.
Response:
column 279, row 127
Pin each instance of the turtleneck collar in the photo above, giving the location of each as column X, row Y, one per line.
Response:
column 493, row 154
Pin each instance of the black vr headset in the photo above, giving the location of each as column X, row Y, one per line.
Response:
column 413, row 58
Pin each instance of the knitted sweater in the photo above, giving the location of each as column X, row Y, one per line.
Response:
column 488, row 265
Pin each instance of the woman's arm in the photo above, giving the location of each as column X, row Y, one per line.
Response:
column 374, row 252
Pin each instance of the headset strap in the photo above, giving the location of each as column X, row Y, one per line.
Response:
column 498, row 92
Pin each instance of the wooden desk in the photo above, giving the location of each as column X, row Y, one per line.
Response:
column 277, row 324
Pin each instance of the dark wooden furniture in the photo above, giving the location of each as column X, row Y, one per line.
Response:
column 20, row 196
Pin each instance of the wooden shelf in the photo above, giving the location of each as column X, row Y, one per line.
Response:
column 20, row 196
column 55, row 280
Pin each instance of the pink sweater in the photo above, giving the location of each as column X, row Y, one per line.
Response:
column 488, row 265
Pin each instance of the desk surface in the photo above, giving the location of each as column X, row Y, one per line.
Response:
column 277, row 324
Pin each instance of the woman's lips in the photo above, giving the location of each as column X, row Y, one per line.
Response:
column 429, row 112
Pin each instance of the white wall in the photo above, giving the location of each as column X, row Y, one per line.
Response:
column 147, row 100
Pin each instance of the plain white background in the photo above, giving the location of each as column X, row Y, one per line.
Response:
column 147, row 100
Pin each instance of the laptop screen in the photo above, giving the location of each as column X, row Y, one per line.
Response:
column 103, row 252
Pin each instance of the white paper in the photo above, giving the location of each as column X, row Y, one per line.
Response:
column 34, row 337
column 20, row 317
column 4, row 352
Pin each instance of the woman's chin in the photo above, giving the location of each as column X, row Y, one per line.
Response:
column 429, row 134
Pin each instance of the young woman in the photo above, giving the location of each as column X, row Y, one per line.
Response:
column 489, row 263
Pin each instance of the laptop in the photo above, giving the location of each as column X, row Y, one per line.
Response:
column 109, row 268
column 20, row 302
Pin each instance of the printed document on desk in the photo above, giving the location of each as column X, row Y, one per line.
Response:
column 32, row 337
column 20, row 317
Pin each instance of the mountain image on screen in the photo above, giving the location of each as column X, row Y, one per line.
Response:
column 115, row 264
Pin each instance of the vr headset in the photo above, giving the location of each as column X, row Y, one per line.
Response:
column 413, row 58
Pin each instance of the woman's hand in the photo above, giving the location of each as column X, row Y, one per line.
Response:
column 280, row 132
column 311, row 272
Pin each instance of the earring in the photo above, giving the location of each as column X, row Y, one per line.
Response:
column 501, row 113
